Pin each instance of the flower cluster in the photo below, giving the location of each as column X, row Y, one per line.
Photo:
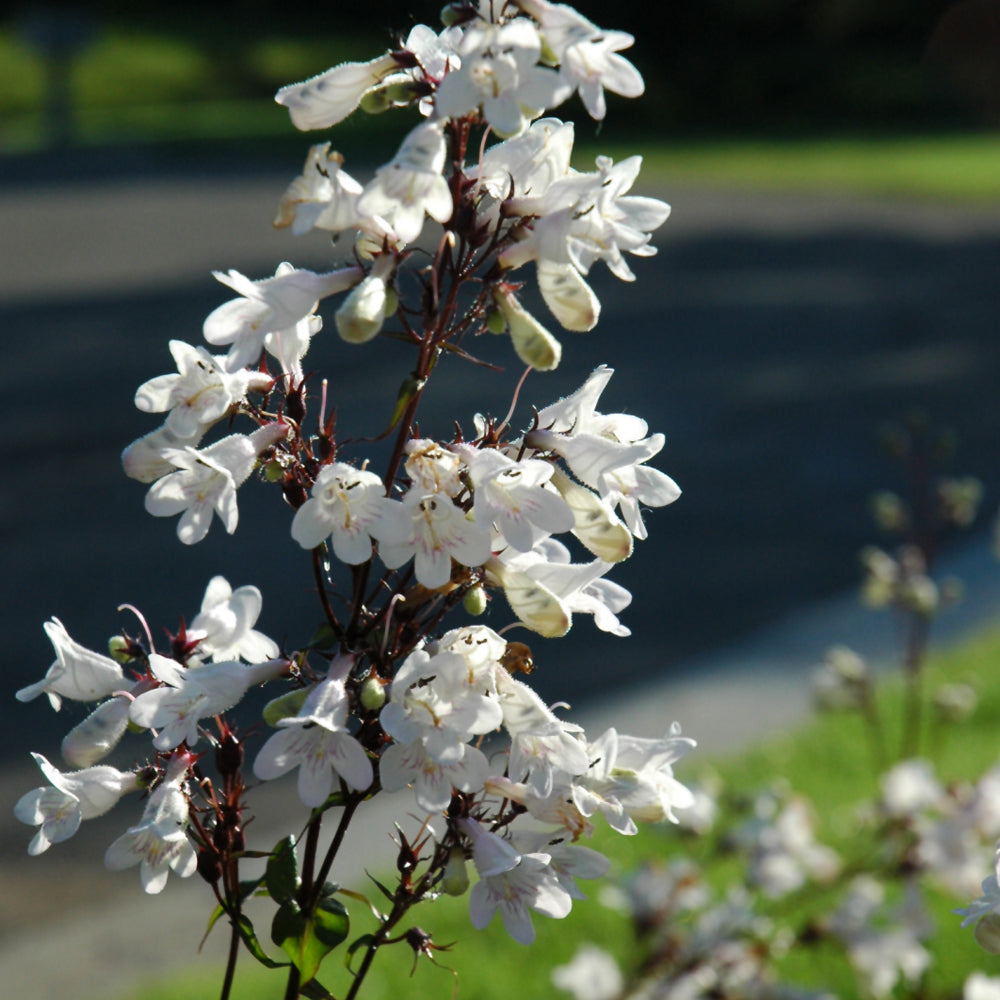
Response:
column 390, row 694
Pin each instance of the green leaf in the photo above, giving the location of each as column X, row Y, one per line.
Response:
column 249, row 936
column 308, row 940
column 212, row 921
column 282, row 872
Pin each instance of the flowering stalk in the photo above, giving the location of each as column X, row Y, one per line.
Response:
column 392, row 694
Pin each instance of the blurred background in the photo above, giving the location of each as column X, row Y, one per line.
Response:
column 831, row 264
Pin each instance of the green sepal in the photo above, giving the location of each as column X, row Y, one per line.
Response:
column 282, row 872
column 308, row 940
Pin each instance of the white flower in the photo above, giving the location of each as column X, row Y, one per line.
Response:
column 158, row 843
column 189, row 694
column 411, row 184
column 910, row 788
column 432, row 701
column 587, row 55
column 499, row 74
column 197, row 396
column 528, row 164
column 513, row 496
column 204, row 482
column 583, row 218
column 433, row 780
column 270, row 304
column 224, row 626
column 58, row 810
column 77, row 672
column 512, row 883
column 144, row 459
column 328, row 98
column 318, row 743
column 544, row 749
column 347, row 504
column 323, row 196
column 544, row 589
column 637, row 774
column 433, row 469
column 437, row 532
column 591, row 975
column 979, row 986
column 98, row 734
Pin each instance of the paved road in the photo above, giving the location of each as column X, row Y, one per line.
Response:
column 767, row 340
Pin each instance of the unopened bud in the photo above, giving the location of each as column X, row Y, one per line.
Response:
column 375, row 101
column 119, row 649
column 372, row 695
column 285, row 706
column 495, row 322
column 273, row 472
column 534, row 345
column 455, row 881
column 454, row 13
column 401, row 92
column 475, row 601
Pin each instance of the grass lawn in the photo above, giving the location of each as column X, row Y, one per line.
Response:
column 827, row 759
column 139, row 85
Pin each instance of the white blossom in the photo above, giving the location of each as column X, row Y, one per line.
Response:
column 323, row 196
column 224, row 626
column 432, row 530
column 270, row 304
column 158, row 843
column 499, row 75
column 318, row 743
column 411, row 184
column 347, row 505
column 76, row 673
column 58, row 809
column 328, row 98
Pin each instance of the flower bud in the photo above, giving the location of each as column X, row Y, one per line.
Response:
column 571, row 300
column 372, row 695
column 375, row 101
column 475, row 601
column 362, row 313
column 495, row 322
column 97, row 735
column 455, row 881
column 534, row 345
column 119, row 649
column 285, row 706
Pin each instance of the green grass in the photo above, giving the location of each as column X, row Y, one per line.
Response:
column 952, row 167
column 827, row 759
column 140, row 85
